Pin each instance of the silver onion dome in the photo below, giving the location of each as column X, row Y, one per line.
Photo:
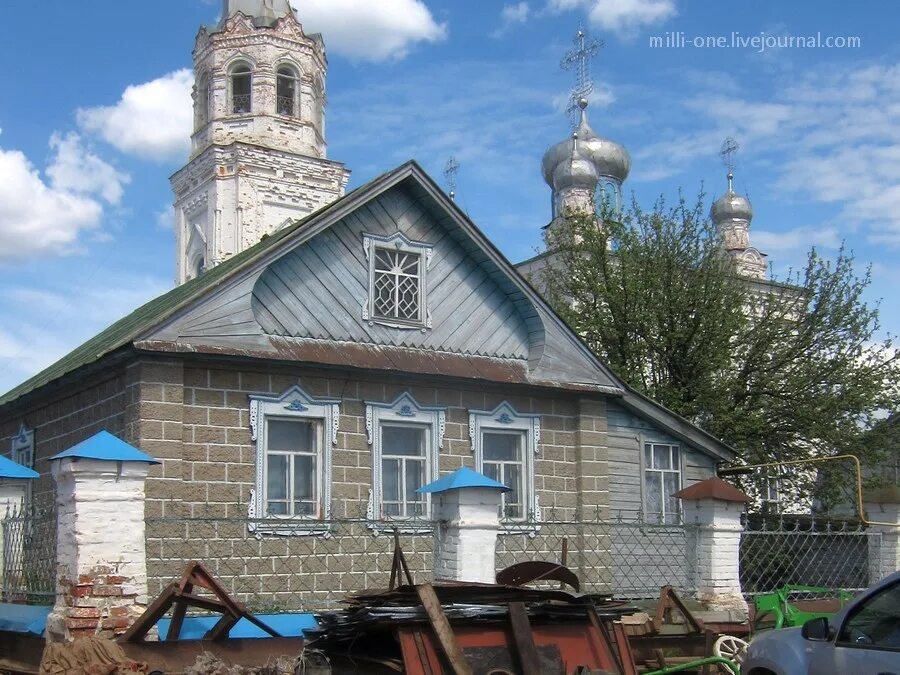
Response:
column 608, row 158
column 731, row 206
column 575, row 170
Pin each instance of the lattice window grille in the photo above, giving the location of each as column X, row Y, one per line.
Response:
column 397, row 268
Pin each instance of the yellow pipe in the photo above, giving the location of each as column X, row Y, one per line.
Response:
column 860, row 510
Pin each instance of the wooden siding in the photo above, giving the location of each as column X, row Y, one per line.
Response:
column 319, row 290
column 627, row 434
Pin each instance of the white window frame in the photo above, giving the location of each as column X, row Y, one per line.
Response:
column 294, row 404
column 660, row 518
column 401, row 243
column 404, row 411
column 21, row 451
column 505, row 418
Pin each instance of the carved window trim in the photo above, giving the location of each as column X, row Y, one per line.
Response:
column 21, row 451
column 505, row 418
column 294, row 403
column 403, row 411
column 398, row 242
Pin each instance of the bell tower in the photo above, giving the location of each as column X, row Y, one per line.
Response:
column 258, row 152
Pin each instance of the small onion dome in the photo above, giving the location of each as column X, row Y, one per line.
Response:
column 575, row 171
column 731, row 206
column 610, row 159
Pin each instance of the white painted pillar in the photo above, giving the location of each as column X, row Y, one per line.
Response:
column 468, row 522
column 466, row 506
column 884, row 547
column 712, row 517
column 101, row 582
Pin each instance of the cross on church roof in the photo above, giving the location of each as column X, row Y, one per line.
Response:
column 450, row 171
column 579, row 60
column 730, row 148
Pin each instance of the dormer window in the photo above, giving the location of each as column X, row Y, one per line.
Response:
column 397, row 288
column 286, row 100
column 241, row 89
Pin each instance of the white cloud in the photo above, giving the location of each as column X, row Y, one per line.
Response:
column 77, row 170
column 51, row 321
column 165, row 218
column 511, row 15
column 828, row 135
column 41, row 217
column 371, row 31
column 796, row 239
column 152, row 120
column 625, row 18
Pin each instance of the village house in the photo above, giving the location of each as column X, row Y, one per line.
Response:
column 324, row 355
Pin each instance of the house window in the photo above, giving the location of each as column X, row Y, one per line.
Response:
column 404, row 469
column 241, row 89
column 662, row 479
column 293, row 459
column 286, row 99
column 505, row 443
column 397, row 286
column 294, row 434
column 406, row 439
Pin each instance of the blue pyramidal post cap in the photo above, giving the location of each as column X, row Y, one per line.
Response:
column 462, row 478
column 105, row 446
column 11, row 469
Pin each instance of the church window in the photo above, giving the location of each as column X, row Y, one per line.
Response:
column 241, row 89
column 204, row 93
column 662, row 479
column 405, row 439
column 294, row 435
column 397, row 268
column 505, row 444
column 288, row 89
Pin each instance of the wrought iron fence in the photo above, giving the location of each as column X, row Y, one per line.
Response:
column 278, row 565
column 791, row 550
column 28, row 556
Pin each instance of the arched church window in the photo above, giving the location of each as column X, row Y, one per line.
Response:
column 288, row 88
column 241, row 88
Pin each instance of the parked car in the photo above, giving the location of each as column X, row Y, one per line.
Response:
column 862, row 639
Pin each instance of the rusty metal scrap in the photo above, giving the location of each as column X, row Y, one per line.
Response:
column 181, row 596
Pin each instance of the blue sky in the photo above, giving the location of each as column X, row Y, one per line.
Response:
column 95, row 117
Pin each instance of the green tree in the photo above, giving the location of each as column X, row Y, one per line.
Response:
column 782, row 370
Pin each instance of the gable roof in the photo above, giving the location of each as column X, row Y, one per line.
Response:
column 560, row 359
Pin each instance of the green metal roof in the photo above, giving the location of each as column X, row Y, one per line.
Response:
column 124, row 331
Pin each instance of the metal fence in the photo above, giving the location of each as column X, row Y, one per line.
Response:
column 28, row 556
column 789, row 550
column 273, row 566
column 627, row 558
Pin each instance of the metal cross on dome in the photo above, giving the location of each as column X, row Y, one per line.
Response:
column 730, row 148
column 579, row 60
column 450, row 171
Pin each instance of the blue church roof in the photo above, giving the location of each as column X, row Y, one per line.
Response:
column 11, row 469
column 462, row 478
column 106, row 447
